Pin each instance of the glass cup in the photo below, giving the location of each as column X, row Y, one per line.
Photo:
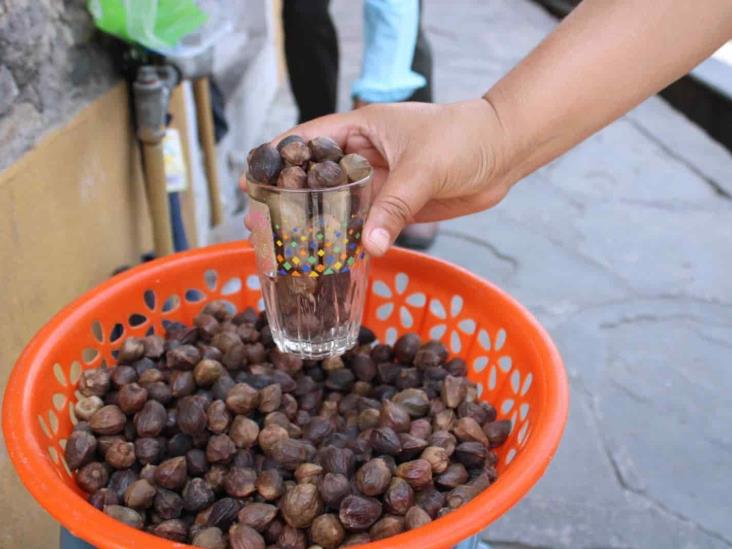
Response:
column 311, row 264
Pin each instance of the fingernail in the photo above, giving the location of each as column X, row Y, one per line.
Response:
column 380, row 240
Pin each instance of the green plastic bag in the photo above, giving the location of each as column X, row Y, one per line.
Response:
column 155, row 24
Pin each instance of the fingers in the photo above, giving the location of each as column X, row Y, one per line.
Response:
column 396, row 205
column 336, row 126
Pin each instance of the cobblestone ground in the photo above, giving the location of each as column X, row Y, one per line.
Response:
column 623, row 249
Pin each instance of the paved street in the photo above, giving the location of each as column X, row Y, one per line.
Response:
column 623, row 250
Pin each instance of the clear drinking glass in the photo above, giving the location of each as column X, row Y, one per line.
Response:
column 312, row 266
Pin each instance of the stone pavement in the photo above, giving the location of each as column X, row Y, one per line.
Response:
column 623, row 250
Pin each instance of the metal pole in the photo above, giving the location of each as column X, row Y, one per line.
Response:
column 151, row 105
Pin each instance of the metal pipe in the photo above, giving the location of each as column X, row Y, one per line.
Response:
column 151, row 106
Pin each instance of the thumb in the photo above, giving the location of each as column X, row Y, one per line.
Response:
column 398, row 202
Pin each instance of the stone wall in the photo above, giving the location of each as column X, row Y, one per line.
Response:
column 51, row 64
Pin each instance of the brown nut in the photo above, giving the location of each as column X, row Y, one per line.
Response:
column 357, row 539
column 148, row 450
column 471, row 454
column 291, row 538
column 149, row 421
column 223, row 512
column 337, row 460
column 172, row 473
column 333, row 488
column 309, row 473
column 399, row 496
column 327, row 531
column 154, row 346
column 85, row 408
column 131, row 398
column 92, row 477
column 140, row 494
column 444, row 420
column 356, row 167
column 242, row 536
column 108, row 420
column 453, row 476
column 242, row 398
column 239, row 482
column 384, row 440
column 421, row 428
column 438, row 458
column 184, row 357
column 132, row 349
column 270, row 435
column 220, row 449
column 270, row 398
column 416, row 517
column 122, row 374
column 359, row 513
column 443, row 439
column 497, row 432
column 430, row 500
column 257, row 515
column 167, row 504
column 128, row 516
column 395, row 416
column 326, row 175
column 80, row 449
column 373, row 478
column 418, row 473
column 292, row 177
column 218, row 417
column 300, row 505
column 294, row 150
column 244, row 432
column 386, row 527
column 454, row 390
column 182, row 383
column 466, row 429
column 324, row 148
column 460, row 495
column 265, row 164
column 102, row 497
column 412, row 446
column 191, row 415
column 414, row 401
column 173, row 529
column 207, row 372
column 197, row 495
column 406, row 348
column 270, row 485
column 121, row 455
column 210, row 538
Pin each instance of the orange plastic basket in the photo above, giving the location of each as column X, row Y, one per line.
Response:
column 511, row 357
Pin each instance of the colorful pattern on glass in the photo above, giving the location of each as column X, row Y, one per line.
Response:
column 318, row 250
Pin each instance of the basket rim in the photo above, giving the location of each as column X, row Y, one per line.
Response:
column 32, row 462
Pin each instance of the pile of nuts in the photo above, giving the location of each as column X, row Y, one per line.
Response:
column 295, row 164
column 213, row 437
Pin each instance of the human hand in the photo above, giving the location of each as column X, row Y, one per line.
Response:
column 431, row 162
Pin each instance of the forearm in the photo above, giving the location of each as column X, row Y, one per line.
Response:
column 600, row 62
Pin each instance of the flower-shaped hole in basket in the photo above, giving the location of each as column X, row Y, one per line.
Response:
column 509, row 356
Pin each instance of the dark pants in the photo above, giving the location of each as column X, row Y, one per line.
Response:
column 311, row 50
